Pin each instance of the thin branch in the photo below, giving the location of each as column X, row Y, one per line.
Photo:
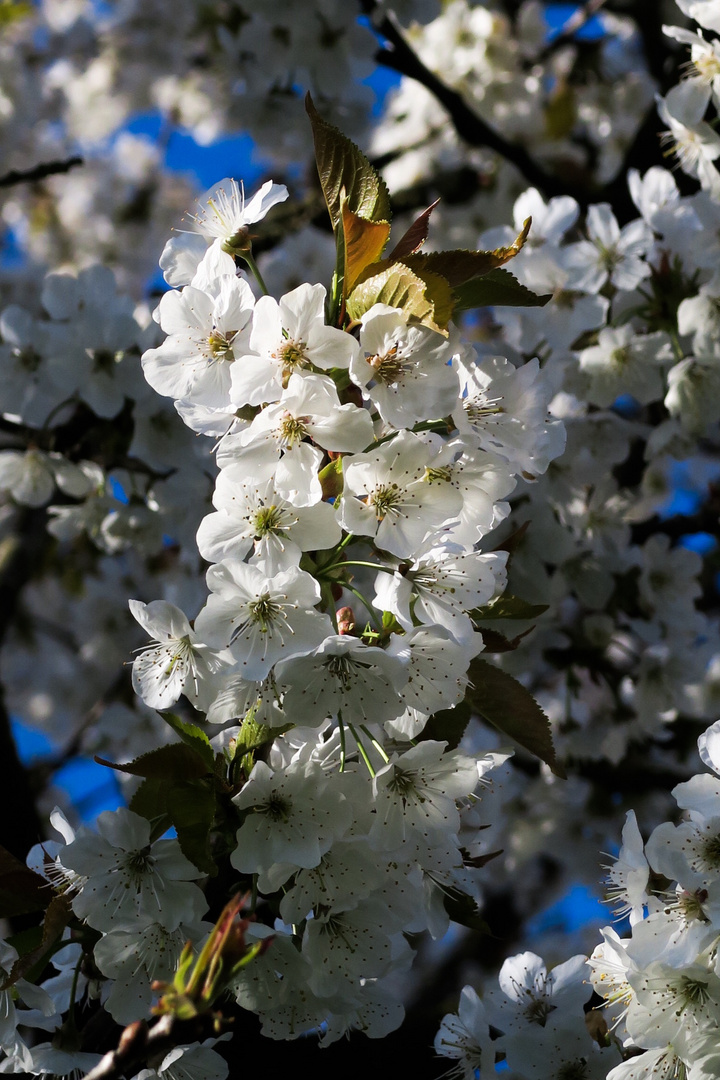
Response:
column 138, row 1043
column 39, row 172
column 567, row 32
column 643, row 150
column 399, row 56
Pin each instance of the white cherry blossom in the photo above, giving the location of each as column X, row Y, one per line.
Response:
column 261, row 619
column 406, row 371
column 288, row 337
column 177, row 663
column 391, row 494
column 128, row 878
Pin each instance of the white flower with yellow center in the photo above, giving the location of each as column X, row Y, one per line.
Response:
column 261, row 619
column 289, row 336
column 394, row 495
column 405, row 370
column 221, row 217
column 207, row 330
column 177, row 663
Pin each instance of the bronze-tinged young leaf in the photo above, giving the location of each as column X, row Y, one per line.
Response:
column 412, row 240
column 498, row 288
column 462, row 265
column 58, row 915
column 173, row 762
column 21, row 890
column 505, row 703
column 427, row 299
column 341, row 164
column 508, row 607
column 364, row 243
column 448, row 725
column 192, row 736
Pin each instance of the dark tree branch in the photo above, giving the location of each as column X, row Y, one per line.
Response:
column 643, row 151
column 39, row 172
column 400, row 57
column 567, row 32
column 20, row 826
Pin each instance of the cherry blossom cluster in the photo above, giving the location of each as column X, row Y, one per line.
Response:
column 684, row 108
column 366, row 485
column 660, row 985
column 359, row 473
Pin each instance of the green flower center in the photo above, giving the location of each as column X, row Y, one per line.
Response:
column 384, row 499
column 220, row 345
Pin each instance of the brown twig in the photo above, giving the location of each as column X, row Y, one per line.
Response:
column 138, row 1043
column 39, row 172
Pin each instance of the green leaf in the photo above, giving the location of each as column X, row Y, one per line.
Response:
column 503, row 702
column 448, row 725
column 463, row 909
column 21, row 890
column 191, row 806
column 192, row 736
column 173, row 762
column 342, row 165
column 150, row 801
column 508, row 607
column 498, row 288
column 428, row 300
column 495, row 642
